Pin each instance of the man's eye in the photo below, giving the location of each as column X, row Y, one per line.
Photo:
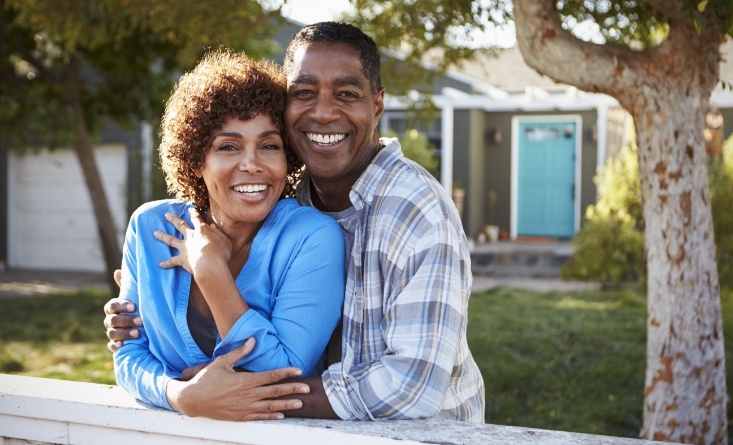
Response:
column 303, row 94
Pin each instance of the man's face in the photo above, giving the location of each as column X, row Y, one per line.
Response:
column 331, row 113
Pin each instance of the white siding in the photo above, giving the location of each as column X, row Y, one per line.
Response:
column 50, row 217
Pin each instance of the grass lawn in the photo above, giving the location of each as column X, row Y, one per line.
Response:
column 561, row 361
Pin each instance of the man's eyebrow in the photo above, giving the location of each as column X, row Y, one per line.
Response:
column 305, row 79
column 349, row 81
column 339, row 81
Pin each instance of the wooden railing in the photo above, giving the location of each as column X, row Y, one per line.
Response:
column 37, row 411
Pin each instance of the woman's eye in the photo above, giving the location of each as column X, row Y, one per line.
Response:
column 271, row 146
column 227, row 147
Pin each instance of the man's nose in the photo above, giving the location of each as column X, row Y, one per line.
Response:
column 325, row 109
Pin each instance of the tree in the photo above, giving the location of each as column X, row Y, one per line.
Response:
column 69, row 67
column 660, row 61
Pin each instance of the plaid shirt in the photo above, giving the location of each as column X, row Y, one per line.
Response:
column 404, row 351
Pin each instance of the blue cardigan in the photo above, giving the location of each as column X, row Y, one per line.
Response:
column 293, row 283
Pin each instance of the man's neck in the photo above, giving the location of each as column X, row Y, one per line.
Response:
column 330, row 198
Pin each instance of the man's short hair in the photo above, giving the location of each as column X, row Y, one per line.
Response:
column 335, row 32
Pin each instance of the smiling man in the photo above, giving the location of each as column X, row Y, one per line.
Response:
column 404, row 353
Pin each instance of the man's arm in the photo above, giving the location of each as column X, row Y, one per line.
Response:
column 118, row 321
column 315, row 403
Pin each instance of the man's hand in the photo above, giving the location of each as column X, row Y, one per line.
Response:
column 120, row 326
column 220, row 392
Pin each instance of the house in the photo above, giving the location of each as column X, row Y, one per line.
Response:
column 522, row 149
column 46, row 216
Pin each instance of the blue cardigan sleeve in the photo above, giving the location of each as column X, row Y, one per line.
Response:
column 307, row 306
column 137, row 370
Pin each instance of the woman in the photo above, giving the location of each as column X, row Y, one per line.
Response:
column 254, row 263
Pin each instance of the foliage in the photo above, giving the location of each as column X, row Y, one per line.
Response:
column 721, row 190
column 610, row 245
column 628, row 22
column 619, row 192
column 430, row 36
column 416, row 146
column 123, row 57
column 606, row 250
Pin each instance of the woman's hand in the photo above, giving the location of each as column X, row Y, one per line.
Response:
column 202, row 248
column 219, row 392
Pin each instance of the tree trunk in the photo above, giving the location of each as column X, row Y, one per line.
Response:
column 685, row 390
column 666, row 90
column 85, row 154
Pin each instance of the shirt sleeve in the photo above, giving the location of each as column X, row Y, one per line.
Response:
column 137, row 370
column 426, row 290
column 307, row 308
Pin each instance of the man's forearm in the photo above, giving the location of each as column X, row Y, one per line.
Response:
column 315, row 403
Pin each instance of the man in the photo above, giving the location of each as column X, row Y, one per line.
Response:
column 404, row 351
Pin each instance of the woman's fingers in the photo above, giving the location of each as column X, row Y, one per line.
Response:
column 177, row 222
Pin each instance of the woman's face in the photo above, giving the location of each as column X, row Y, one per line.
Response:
column 244, row 170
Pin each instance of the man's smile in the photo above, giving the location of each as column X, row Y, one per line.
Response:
column 325, row 138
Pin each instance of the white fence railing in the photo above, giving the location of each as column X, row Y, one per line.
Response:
column 35, row 410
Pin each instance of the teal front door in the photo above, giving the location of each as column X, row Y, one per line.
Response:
column 546, row 179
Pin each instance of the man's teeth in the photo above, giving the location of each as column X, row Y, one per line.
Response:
column 325, row 138
column 250, row 188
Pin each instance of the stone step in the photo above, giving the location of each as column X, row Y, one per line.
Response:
column 511, row 259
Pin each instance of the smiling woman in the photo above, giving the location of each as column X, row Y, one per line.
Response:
column 238, row 258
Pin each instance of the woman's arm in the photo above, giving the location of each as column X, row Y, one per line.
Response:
column 204, row 252
column 136, row 369
column 307, row 305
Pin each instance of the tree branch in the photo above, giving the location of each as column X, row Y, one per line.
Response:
column 555, row 52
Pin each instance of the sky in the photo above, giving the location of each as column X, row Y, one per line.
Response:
column 313, row 11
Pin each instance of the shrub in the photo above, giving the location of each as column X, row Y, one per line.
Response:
column 607, row 249
column 610, row 245
column 721, row 193
column 416, row 146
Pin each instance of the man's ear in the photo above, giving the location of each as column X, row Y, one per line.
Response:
column 379, row 104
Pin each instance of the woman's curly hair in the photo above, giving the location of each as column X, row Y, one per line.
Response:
column 224, row 84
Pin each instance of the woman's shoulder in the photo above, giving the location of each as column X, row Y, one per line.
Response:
column 157, row 209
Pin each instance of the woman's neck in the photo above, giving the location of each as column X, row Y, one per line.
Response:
column 240, row 234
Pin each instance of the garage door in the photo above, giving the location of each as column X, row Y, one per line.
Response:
column 50, row 218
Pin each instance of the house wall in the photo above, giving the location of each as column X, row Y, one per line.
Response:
column 51, row 221
column 3, row 207
column 482, row 165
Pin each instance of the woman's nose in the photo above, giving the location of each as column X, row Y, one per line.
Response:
column 249, row 161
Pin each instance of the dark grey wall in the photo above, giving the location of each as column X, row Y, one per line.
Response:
column 473, row 143
column 3, row 206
